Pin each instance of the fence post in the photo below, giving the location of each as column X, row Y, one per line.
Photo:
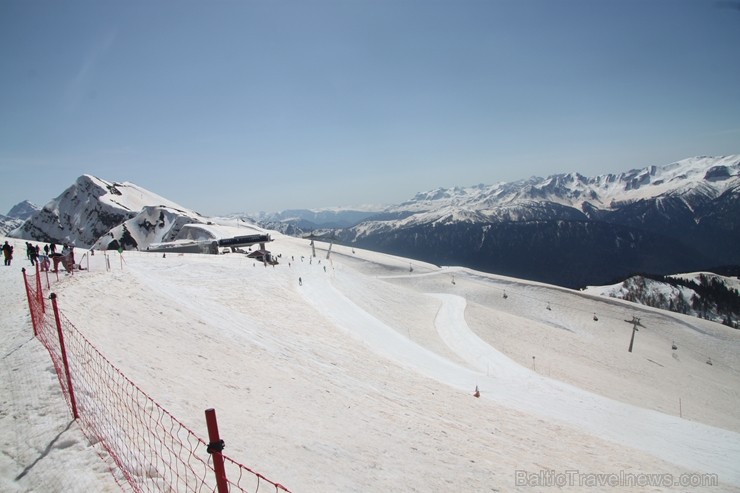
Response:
column 30, row 304
column 39, row 291
column 215, row 447
column 64, row 356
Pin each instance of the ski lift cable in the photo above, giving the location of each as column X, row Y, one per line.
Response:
column 508, row 292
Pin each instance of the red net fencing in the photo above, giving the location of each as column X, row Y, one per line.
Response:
column 151, row 449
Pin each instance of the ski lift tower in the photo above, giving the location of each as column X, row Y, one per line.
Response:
column 312, row 237
column 331, row 243
column 635, row 323
column 328, row 236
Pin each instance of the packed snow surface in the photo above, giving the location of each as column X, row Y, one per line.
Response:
column 361, row 376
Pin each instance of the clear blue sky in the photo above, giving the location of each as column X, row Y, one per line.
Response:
column 231, row 106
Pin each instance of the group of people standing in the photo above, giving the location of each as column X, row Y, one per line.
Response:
column 46, row 257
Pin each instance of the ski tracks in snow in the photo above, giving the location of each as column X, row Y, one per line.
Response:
column 691, row 445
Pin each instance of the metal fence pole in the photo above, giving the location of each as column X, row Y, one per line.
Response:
column 39, row 291
column 215, row 447
column 72, row 399
column 31, row 304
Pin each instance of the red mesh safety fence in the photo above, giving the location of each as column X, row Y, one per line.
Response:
column 151, row 449
column 241, row 478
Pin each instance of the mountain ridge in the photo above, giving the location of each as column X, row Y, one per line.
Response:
column 572, row 230
column 566, row 229
column 573, row 189
column 89, row 209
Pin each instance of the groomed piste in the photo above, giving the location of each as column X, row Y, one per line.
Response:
column 362, row 376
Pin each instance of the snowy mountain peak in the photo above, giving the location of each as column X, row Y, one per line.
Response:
column 125, row 195
column 88, row 209
column 23, row 210
column 444, row 193
column 712, row 174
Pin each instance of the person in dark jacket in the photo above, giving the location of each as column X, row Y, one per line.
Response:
column 31, row 251
column 7, row 253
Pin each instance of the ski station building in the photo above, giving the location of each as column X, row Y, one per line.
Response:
column 214, row 239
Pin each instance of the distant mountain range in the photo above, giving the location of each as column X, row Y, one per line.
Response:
column 296, row 222
column 566, row 229
column 572, row 230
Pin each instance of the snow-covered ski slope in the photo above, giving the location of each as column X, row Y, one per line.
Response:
column 361, row 378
